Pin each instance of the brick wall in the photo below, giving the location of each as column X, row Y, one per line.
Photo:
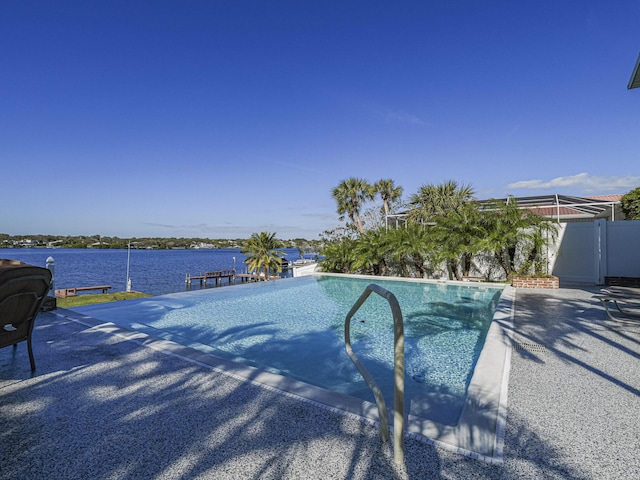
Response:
column 528, row 282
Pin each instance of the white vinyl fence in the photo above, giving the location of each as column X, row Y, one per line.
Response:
column 590, row 251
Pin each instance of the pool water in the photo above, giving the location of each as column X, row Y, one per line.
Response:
column 295, row 327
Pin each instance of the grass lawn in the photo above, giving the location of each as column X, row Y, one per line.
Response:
column 91, row 298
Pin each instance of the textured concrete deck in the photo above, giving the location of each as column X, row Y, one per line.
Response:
column 105, row 406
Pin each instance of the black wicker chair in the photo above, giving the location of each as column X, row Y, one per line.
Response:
column 23, row 290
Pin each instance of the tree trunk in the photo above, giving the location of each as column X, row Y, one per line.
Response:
column 419, row 263
column 500, row 257
column 466, row 264
column 511, row 252
column 453, row 269
column 383, row 268
column 403, row 267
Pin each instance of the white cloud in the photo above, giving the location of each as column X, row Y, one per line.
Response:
column 583, row 181
column 391, row 116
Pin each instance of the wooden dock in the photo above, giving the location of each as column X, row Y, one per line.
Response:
column 252, row 277
column 72, row 292
column 218, row 275
column 230, row 275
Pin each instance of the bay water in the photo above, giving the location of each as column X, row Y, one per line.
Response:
column 156, row 272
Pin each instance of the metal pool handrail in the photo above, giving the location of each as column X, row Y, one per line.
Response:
column 398, row 360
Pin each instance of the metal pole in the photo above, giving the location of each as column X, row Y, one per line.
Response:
column 128, row 286
column 51, row 266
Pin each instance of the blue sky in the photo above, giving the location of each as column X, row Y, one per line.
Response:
column 220, row 119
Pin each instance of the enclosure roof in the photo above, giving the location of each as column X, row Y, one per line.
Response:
column 553, row 205
column 634, row 82
column 564, row 206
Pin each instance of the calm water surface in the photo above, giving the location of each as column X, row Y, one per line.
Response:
column 151, row 271
column 295, row 327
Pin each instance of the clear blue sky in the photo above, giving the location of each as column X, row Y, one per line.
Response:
column 223, row 118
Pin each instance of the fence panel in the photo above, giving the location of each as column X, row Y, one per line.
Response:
column 623, row 249
column 575, row 250
column 586, row 252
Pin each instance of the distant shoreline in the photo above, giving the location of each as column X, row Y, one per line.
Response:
column 142, row 243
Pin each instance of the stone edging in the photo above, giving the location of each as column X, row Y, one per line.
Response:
column 533, row 282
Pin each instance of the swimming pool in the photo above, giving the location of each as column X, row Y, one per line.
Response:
column 295, row 327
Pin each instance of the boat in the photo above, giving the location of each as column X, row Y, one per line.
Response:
column 303, row 261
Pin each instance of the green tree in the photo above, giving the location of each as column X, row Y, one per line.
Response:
column 389, row 193
column 540, row 232
column 630, row 203
column 510, row 229
column 412, row 250
column 338, row 256
column 459, row 237
column 503, row 223
column 370, row 251
column 263, row 253
column 436, row 200
column 350, row 195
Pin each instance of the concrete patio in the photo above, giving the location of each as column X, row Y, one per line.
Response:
column 104, row 406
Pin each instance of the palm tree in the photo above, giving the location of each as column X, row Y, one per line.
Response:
column 503, row 225
column 263, row 253
column 338, row 256
column 388, row 192
column 350, row 196
column 370, row 252
column 510, row 229
column 541, row 232
column 458, row 229
column 437, row 200
column 402, row 245
column 460, row 236
column 412, row 246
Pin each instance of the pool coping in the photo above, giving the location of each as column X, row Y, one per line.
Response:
column 479, row 433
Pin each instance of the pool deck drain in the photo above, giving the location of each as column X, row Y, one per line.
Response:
column 529, row 347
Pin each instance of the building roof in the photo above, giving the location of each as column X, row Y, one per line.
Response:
column 610, row 198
